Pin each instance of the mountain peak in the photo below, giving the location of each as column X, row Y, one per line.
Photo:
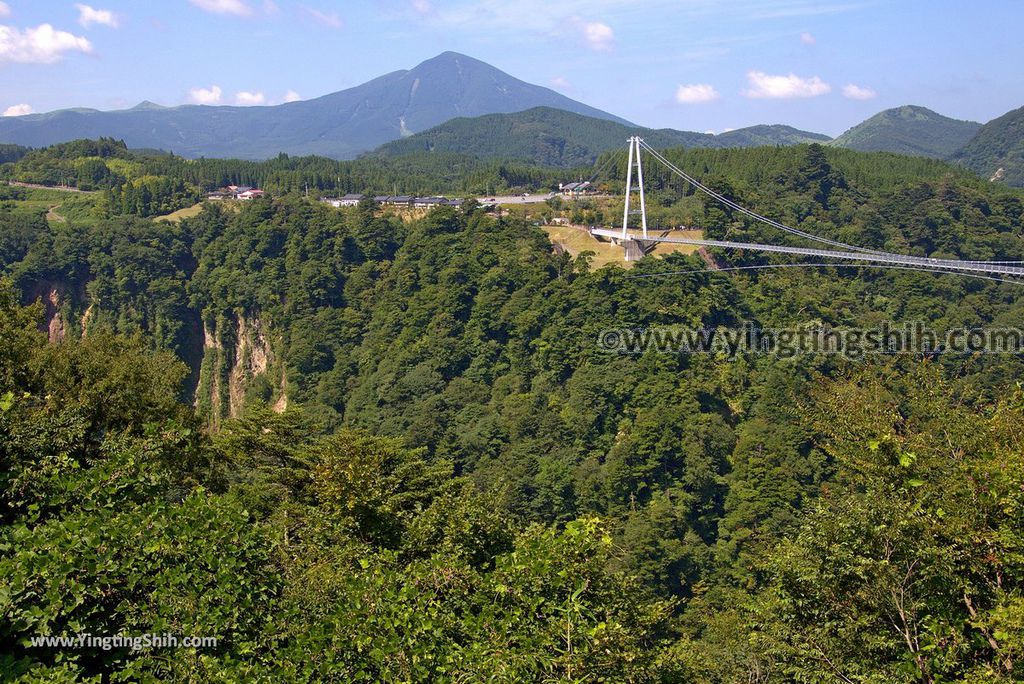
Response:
column 912, row 112
column 146, row 105
column 910, row 129
column 343, row 124
column 451, row 54
column 449, row 59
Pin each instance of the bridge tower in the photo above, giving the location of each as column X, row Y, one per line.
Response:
column 635, row 247
column 634, row 161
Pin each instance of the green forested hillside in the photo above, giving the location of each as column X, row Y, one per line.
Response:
column 909, row 130
column 134, row 182
column 997, row 151
column 542, row 136
column 553, row 137
column 758, row 136
column 12, row 153
column 395, row 451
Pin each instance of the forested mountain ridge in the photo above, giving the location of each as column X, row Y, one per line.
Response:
column 909, row 130
column 553, row 137
column 146, row 184
column 425, row 467
column 770, row 135
column 456, row 104
column 340, row 125
column 997, row 151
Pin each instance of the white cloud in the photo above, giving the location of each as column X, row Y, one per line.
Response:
column 5, row 11
column 765, row 86
column 808, row 39
column 270, row 7
column 87, row 16
column 238, row 8
column 599, row 36
column 422, row 6
column 561, row 83
column 328, row 19
column 856, row 92
column 18, row 110
column 205, row 96
column 292, row 96
column 40, row 45
column 246, row 97
column 696, row 93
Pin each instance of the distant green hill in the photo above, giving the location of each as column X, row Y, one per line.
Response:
column 761, row 136
column 554, row 137
column 909, row 130
column 997, row 151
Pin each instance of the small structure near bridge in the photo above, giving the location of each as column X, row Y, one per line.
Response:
column 576, row 189
column 350, row 200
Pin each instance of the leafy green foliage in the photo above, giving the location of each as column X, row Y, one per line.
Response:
column 402, row 455
column 997, row 151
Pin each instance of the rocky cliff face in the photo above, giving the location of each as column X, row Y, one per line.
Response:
column 53, row 296
column 239, row 366
column 237, row 363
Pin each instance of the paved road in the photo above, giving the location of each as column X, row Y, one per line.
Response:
column 48, row 187
column 515, row 199
column 528, row 199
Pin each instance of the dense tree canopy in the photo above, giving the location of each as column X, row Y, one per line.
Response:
column 356, row 448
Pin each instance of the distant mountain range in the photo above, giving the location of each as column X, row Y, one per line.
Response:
column 340, row 125
column 909, row 130
column 557, row 138
column 455, row 103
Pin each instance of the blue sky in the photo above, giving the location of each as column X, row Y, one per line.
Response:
column 690, row 64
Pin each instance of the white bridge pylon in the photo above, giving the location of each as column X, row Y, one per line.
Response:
column 634, row 159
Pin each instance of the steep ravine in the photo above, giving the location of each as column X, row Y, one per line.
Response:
column 231, row 358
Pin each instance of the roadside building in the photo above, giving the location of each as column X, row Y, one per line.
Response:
column 429, row 202
column 346, row 201
column 351, row 200
column 576, row 189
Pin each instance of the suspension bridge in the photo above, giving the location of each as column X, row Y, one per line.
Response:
column 636, row 244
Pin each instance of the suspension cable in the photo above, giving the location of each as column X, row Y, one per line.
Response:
column 776, row 224
column 743, row 210
column 822, row 265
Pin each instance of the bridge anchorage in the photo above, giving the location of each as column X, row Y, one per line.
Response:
column 637, row 246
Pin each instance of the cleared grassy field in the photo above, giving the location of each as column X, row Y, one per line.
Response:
column 576, row 240
column 59, row 206
column 663, row 248
column 181, row 214
column 39, row 201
